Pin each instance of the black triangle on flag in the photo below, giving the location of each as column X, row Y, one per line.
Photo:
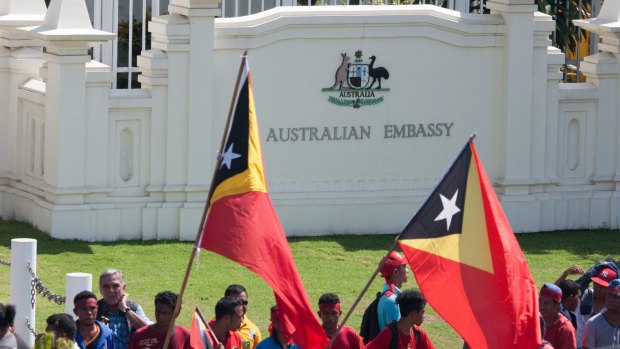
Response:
column 442, row 213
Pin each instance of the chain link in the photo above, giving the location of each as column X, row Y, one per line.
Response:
column 30, row 328
column 32, row 298
column 42, row 290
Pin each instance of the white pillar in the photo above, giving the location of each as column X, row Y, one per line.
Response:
column 67, row 35
column 603, row 70
column 23, row 254
column 17, row 63
column 519, row 55
column 76, row 283
column 201, row 63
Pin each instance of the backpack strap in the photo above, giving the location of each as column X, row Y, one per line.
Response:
column 101, row 309
column 393, row 325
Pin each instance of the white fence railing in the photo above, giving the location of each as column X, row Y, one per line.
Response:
column 128, row 20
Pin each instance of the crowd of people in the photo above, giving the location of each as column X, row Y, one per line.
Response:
column 577, row 315
column 573, row 315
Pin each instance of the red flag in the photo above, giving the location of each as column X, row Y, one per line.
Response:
column 242, row 224
column 468, row 262
column 200, row 337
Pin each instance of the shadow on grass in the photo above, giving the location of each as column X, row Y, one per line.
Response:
column 47, row 245
column 353, row 243
column 583, row 243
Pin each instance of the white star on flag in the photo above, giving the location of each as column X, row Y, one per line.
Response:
column 449, row 209
column 228, row 156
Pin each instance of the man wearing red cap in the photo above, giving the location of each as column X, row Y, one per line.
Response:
column 329, row 313
column 593, row 299
column 602, row 331
column 394, row 271
column 558, row 330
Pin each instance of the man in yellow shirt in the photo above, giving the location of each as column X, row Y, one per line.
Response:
column 248, row 331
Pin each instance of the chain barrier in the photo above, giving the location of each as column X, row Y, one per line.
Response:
column 30, row 327
column 5, row 262
column 42, row 290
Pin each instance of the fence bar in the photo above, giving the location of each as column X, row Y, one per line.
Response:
column 115, row 44
column 130, row 44
column 143, row 47
column 23, row 296
column 76, row 283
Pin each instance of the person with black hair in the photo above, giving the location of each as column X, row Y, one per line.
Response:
column 602, row 331
column 62, row 325
column 592, row 299
column 571, row 294
column 329, row 313
column 248, row 331
column 228, row 317
column 21, row 343
column 59, row 333
column 558, row 330
column 91, row 334
column 406, row 332
column 276, row 340
column 7, row 338
column 153, row 336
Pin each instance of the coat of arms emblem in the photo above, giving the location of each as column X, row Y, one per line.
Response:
column 357, row 82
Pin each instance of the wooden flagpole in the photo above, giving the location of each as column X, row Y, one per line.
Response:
column 204, row 321
column 177, row 308
column 359, row 298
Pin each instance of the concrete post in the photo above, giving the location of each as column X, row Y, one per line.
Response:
column 23, row 296
column 74, row 284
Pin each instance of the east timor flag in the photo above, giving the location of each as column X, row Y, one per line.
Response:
column 468, row 263
column 242, row 225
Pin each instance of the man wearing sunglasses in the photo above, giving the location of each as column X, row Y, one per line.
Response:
column 602, row 331
column 248, row 331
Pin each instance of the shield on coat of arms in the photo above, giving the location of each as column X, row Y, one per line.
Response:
column 358, row 75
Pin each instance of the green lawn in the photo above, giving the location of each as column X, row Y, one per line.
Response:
column 340, row 264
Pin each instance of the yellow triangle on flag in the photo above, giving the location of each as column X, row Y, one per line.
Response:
column 471, row 247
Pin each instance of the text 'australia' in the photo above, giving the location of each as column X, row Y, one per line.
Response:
column 310, row 134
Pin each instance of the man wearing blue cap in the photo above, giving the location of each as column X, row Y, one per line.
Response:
column 602, row 331
column 558, row 330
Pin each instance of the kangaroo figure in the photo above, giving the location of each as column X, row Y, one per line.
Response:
column 341, row 72
column 376, row 73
